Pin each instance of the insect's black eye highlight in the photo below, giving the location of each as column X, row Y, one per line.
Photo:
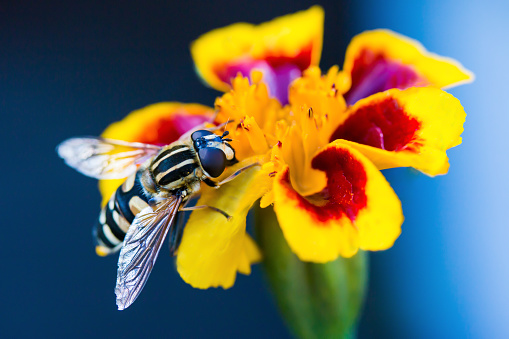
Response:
column 213, row 161
column 199, row 134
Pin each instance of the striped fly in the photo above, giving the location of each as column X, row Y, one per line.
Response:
column 145, row 208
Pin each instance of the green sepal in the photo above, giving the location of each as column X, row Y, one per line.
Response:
column 316, row 300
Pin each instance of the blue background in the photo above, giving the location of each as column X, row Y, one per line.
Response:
column 70, row 69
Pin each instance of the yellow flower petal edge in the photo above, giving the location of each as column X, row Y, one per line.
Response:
column 362, row 211
column 438, row 117
column 250, row 255
column 214, row 249
column 439, row 71
column 158, row 124
column 283, row 37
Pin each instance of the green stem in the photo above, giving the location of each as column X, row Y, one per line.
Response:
column 316, row 300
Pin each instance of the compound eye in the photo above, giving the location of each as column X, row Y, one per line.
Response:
column 213, row 161
column 199, row 134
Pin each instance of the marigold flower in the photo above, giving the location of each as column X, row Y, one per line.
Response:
column 320, row 140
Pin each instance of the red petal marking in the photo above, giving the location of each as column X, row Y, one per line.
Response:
column 382, row 124
column 345, row 191
column 166, row 130
column 227, row 71
column 302, row 60
column 373, row 72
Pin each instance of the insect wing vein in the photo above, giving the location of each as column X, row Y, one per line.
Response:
column 104, row 158
column 141, row 248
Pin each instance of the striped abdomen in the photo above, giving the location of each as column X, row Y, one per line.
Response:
column 118, row 214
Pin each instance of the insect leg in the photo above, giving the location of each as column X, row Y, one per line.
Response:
column 226, row 215
column 188, row 134
column 237, row 172
column 175, row 236
column 215, row 128
column 176, row 232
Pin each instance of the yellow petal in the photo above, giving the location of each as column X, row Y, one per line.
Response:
column 413, row 127
column 107, row 188
column 255, row 136
column 251, row 254
column 293, row 39
column 358, row 208
column 213, row 249
column 267, row 199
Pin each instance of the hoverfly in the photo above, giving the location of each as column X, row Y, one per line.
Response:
column 143, row 210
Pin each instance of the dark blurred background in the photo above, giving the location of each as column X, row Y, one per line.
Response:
column 71, row 68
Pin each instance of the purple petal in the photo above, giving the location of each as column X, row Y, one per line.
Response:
column 378, row 76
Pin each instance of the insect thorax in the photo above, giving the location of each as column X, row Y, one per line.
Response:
column 174, row 168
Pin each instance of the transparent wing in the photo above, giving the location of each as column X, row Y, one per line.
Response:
column 104, row 158
column 141, row 247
